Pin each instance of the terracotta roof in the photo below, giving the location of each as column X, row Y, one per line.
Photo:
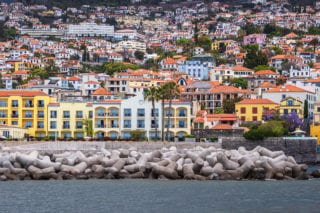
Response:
column 222, row 117
column 265, row 72
column 198, row 120
column 256, row 101
column 101, row 91
column 24, row 93
column 287, row 88
column 241, row 68
column 222, row 126
column 227, row 89
column 267, row 84
column 91, row 82
column 74, row 78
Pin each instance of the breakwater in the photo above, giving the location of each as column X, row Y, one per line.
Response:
column 197, row 163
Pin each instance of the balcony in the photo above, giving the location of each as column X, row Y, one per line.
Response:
column 169, row 114
column 127, row 115
column 100, row 114
column 66, row 116
column 53, row 127
column 170, row 126
column 66, row 127
column 156, row 114
column 100, row 126
column 182, row 115
column 40, row 127
column 141, row 114
column 28, row 116
column 114, row 114
column 141, row 126
column 79, row 116
column 40, row 105
column 15, row 105
column 28, row 105
column 154, row 126
column 40, row 116
column 79, row 127
column 127, row 126
column 114, row 126
column 14, row 116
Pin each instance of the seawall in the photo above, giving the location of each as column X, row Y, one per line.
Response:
column 303, row 149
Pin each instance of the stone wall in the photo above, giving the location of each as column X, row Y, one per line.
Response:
column 207, row 133
column 304, row 150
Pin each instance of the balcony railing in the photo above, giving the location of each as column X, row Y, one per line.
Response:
column 127, row 114
column 14, row 116
column 141, row 114
column 40, row 127
column 40, row 116
column 126, row 126
column 100, row 126
column 182, row 115
column 141, row 126
column 154, row 126
column 114, row 114
column 40, row 105
column 28, row 105
column 28, row 116
column 114, row 126
column 66, row 127
column 15, row 105
column 79, row 127
column 3, row 116
column 154, row 114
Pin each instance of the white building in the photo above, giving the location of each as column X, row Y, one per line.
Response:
column 90, row 29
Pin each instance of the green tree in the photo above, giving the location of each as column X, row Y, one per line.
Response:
column 1, row 82
column 314, row 30
column 229, row 105
column 152, row 94
column 162, row 95
column 254, row 56
column 139, row 55
column 88, row 127
column 39, row 72
column 263, row 67
column 137, row 135
column 314, row 42
column 205, row 42
column 239, row 82
column 172, row 91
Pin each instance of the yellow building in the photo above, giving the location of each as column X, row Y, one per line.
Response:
column 26, row 109
column 216, row 44
column 315, row 132
column 106, row 122
column 65, row 119
column 289, row 105
column 253, row 109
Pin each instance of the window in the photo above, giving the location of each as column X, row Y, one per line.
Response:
column 79, row 125
column 79, row 135
column 41, row 103
column 14, row 123
column 114, row 124
column 127, row 112
column 290, row 102
column 41, row 114
column 66, row 125
column 127, row 124
column 126, row 135
column 140, row 112
column 53, row 124
column 90, row 114
column 154, row 124
column 66, row 114
column 254, row 110
column 114, row 112
column 243, row 118
column 79, row 114
column 53, row 114
column 3, row 103
column 243, row 110
column 28, row 114
column 285, row 111
column 283, row 96
column 140, row 124
column 154, row 112
column 14, row 103
column 15, row 114
column 182, row 112
column 40, row 124
column 28, row 103
column 254, row 118
column 28, row 124
column 66, row 135
column 3, row 114
column 182, row 124
column 318, row 109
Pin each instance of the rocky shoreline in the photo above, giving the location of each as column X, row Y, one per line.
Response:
column 167, row 163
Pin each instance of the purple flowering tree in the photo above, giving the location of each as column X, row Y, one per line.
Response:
column 293, row 121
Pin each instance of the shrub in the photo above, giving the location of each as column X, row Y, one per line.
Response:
column 189, row 136
column 269, row 129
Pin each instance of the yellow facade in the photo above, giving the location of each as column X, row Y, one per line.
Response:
column 253, row 109
column 19, row 65
column 315, row 132
column 65, row 119
column 179, row 120
column 216, row 44
column 289, row 105
column 26, row 109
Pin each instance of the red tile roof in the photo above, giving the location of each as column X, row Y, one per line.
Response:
column 101, row 91
column 265, row 72
column 222, row 126
column 287, row 88
column 24, row 93
column 257, row 101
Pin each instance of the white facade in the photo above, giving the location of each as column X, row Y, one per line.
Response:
column 90, row 29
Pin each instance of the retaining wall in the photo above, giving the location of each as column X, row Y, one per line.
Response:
column 303, row 149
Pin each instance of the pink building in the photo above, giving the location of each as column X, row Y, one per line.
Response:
column 254, row 39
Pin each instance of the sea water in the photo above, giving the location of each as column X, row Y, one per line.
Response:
column 159, row 196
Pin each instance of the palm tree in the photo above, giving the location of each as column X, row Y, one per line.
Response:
column 151, row 94
column 162, row 95
column 172, row 91
column 314, row 42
